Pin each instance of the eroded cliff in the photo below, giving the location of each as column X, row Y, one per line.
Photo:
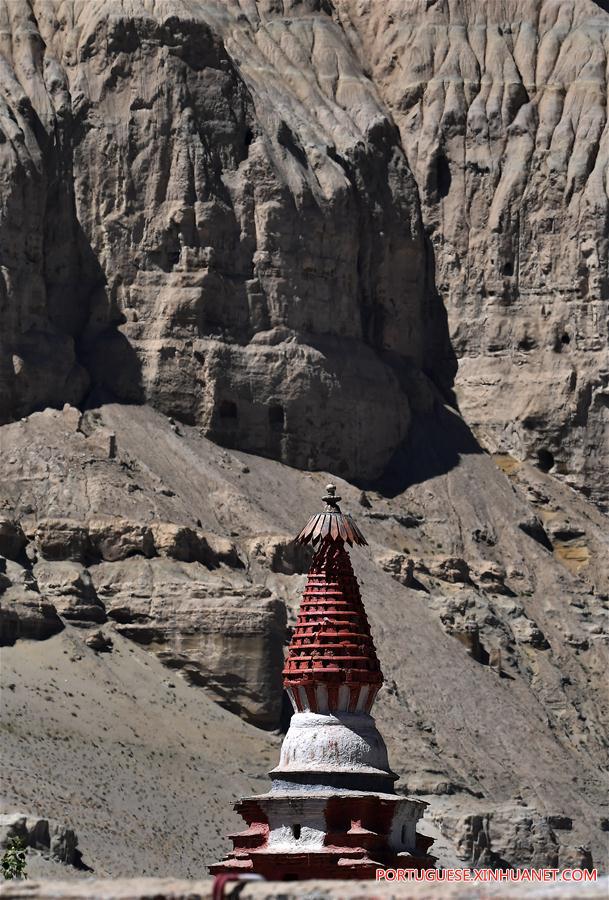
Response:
column 217, row 218
column 209, row 207
column 502, row 110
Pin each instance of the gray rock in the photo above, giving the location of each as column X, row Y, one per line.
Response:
column 180, row 542
column 60, row 539
column 292, row 267
column 38, row 835
column 55, row 840
column 69, row 586
column 280, row 554
column 25, row 614
column 218, row 550
column 100, row 642
column 12, row 538
column 63, row 845
column 491, row 577
column 401, row 567
column 221, row 633
column 450, row 569
column 12, row 825
column 115, row 539
column 221, row 628
column 488, row 841
column 191, row 545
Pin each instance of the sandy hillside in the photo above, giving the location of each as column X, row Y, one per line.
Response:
column 489, row 628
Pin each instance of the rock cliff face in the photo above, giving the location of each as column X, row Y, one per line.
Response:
column 502, row 110
column 214, row 214
column 278, row 225
column 209, row 207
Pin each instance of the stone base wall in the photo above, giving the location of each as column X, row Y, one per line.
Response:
column 175, row 889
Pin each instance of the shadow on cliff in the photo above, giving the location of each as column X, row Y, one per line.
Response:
column 112, row 363
column 439, row 349
column 438, row 436
column 435, row 444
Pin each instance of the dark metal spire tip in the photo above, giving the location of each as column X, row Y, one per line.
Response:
column 332, row 524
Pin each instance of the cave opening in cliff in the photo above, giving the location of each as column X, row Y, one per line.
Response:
column 545, row 460
column 276, row 417
column 227, row 409
column 443, row 176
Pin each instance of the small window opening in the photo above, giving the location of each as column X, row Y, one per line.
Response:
column 296, row 831
column 545, row 460
column 443, row 175
column 565, row 339
column 227, row 409
column 527, row 343
column 276, row 417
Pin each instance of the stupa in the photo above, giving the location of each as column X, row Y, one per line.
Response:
column 332, row 811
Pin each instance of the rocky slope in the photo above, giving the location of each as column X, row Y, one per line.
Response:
column 487, row 592
column 130, row 758
column 275, row 226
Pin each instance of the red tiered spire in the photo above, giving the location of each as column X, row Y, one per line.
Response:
column 332, row 664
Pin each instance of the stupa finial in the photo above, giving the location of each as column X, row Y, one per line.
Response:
column 331, row 524
column 330, row 499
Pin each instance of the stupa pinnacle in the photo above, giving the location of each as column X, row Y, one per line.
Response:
column 332, row 811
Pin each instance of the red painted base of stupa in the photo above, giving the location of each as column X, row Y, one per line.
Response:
column 335, row 862
column 352, row 848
